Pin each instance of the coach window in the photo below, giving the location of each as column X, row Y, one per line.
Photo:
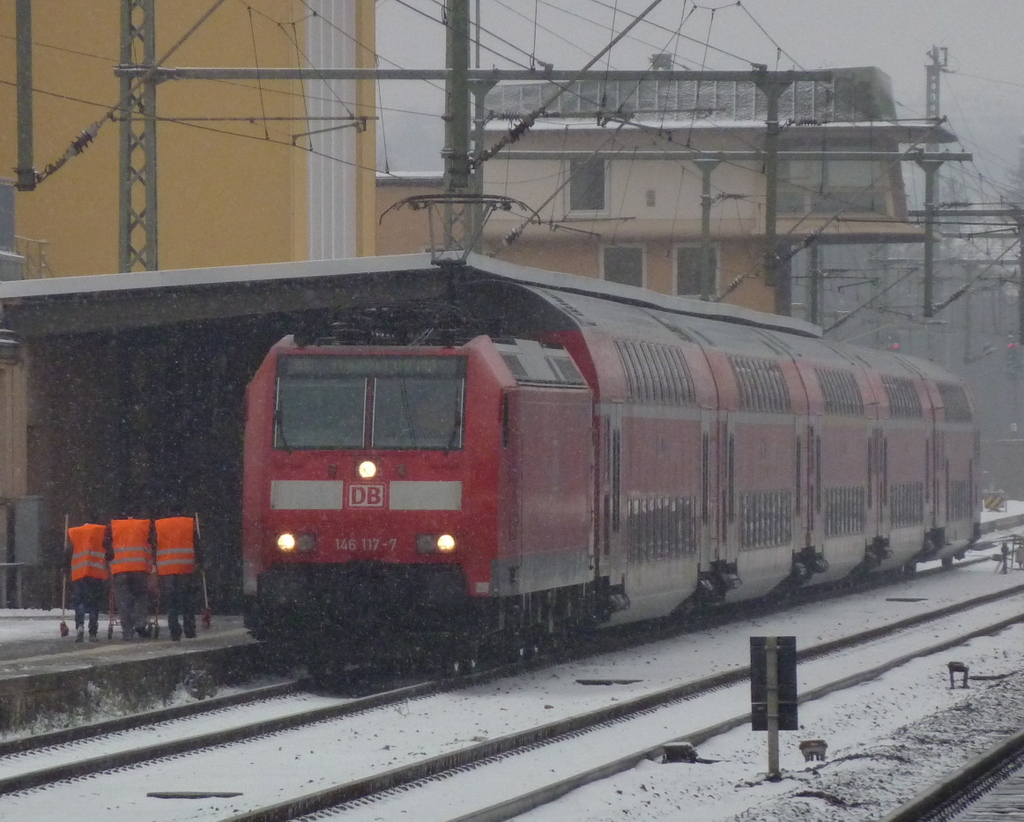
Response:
column 623, row 264
column 587, row 182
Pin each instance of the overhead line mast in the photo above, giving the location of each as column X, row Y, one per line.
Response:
column 137, row 214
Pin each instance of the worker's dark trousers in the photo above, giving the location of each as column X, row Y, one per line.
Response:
column 87, row 598
column 179, row 599
column 132, row 597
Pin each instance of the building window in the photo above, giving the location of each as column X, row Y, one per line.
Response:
column 6, row 216
column 832, row 187
column 624, row 264
column 688, row 269
column 587, row 185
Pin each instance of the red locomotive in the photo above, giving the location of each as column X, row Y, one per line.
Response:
column 526, row 460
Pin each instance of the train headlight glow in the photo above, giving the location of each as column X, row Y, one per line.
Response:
column 286, row 542
column 435, row 543
column 367, row 469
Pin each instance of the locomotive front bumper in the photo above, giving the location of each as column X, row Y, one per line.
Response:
column 357, row 602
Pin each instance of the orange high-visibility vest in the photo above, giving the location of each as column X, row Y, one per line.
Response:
column 88, row 558
column 175, row 545
column 130, row 540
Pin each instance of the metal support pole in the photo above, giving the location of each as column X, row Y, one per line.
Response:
column 968, row 325
column 1020, row 278
column 708, row 286
column 814, row 285
column 456, row 121
column 23, row 24
column 933, row 70
column 931, row 169
column 773, row 708
column 476, row 178
column 774, row 275
column 138, row 202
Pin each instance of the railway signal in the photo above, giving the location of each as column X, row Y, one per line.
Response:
column 1013, row 358
column 773, row 693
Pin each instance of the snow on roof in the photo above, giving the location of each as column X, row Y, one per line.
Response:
column 853, row 95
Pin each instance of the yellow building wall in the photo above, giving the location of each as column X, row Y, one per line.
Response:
column 229, row 191
column 405, row 231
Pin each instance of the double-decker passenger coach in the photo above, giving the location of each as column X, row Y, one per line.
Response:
column 530, row 457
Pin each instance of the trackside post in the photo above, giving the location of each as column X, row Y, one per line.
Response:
column 773, row 695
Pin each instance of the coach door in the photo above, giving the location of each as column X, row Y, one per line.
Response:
column 611, row 558
column 875, row 504
column 803, row 534
column 708, row 522
column 812, row 504
column 938, row 469
column 727, row 548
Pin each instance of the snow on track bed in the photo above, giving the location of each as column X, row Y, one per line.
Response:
column 651, row 791
column 282, row 766
column 162, row 731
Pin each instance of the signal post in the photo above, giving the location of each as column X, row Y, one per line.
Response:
column 773, row 696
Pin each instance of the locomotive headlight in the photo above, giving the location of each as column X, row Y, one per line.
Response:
column 367, row 469
column 286, row 542
column 435, row 543
column 306, row 543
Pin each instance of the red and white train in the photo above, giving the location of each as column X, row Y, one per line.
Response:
column 558, row 458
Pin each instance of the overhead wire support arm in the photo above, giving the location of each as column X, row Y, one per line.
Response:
column 141, row 74
column 1013, row 212
column 163, row 73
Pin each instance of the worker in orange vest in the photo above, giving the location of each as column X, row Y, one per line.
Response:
column 176, row 558
column 87, row 560
column 130, row 553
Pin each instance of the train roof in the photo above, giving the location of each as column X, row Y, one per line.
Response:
column 654, row 324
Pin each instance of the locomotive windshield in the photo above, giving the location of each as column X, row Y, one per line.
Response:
column 393, row 402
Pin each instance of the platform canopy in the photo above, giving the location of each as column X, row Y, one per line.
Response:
column 146, row 299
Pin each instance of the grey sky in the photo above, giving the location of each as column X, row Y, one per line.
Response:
column 982, row 93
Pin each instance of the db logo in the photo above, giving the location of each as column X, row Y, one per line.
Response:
column 366, row 496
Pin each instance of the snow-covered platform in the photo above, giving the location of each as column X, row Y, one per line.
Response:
column 42, row 673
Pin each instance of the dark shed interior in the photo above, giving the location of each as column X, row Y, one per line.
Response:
column 137, row 390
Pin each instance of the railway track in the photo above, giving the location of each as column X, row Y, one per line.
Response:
column 465, row 755
column 396, row 794
column 92, row 730
column 604, row 643
column 990, row 786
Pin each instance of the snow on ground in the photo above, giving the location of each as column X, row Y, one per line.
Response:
column 17, row 625
column 887, row 739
